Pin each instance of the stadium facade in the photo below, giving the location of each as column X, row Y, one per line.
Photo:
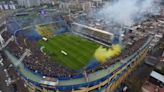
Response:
column 105, row 80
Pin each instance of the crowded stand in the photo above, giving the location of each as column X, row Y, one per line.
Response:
column 129, row 50
column 97, row 36
column 42, row 64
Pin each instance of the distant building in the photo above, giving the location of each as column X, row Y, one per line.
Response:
column 87, row 6
column 149, row 87
column 151, row 60
column 46, row 1
column 29, row 3
column 155, row 83
column 97, row 3
column 7, row 5
column 156, row 39
column 79, row 5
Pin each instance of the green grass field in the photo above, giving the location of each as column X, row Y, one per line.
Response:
column 79, row 50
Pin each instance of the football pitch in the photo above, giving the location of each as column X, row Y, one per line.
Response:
column 70, row 50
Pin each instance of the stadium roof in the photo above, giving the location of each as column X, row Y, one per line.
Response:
column 157, row 76
column 94, row 29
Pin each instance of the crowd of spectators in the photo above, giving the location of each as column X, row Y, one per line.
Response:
column 42, row 64
column 129, row 50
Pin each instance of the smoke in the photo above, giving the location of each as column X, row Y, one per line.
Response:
column 103, row 54
column 128, row 12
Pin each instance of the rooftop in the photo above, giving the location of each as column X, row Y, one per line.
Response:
column 149, row 87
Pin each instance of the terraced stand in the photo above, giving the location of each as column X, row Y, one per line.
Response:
column 105, row 80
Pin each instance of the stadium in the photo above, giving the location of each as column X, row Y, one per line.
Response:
column 53, row 54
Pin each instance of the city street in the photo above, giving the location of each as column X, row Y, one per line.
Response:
column 9, row 80
column 3, row 85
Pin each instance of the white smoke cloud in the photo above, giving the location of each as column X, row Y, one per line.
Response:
column 128, row 12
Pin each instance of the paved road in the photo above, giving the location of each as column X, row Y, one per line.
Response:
column 17, row 85
column 3, row 85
